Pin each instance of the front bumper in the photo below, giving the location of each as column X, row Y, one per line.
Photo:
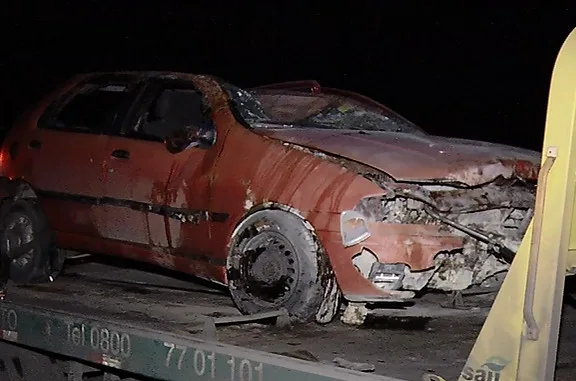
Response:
column 412, row 245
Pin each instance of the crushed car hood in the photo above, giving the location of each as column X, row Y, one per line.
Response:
column 415, row 157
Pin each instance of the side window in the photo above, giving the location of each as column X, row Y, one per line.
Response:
column 170, row 110
column 95, row 108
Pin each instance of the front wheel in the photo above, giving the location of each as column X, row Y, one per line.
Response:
column 275, row 261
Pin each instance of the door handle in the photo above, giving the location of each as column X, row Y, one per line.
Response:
column 121, row 154
column 35, row 144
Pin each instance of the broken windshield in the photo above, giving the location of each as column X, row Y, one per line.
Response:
column 286, row 109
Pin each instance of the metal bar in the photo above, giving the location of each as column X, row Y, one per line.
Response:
column 281, row 317
column 250, row 318
column 155, row 354
column 532, row 331
column 502, row 350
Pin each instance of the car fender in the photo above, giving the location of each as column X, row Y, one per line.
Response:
column 16, row 189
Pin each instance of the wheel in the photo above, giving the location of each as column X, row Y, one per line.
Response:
column 275, row 261
column 26, row 242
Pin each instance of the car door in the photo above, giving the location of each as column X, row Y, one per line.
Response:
column 67, row 151
column 157, row 197
column 136, row 170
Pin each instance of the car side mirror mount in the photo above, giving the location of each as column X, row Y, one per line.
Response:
column 188, row 137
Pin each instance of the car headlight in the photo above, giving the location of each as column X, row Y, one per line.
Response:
column 353, row 228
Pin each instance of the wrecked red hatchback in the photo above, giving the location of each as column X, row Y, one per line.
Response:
column 292, row 195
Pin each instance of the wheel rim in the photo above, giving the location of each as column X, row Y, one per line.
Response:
column 268, row 267
column 19, row 231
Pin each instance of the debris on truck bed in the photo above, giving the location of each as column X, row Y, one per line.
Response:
column 392, row 343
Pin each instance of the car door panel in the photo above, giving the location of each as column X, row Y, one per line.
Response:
column 62, row 155
column 68, row 147
column 156, row 199
column 67, row 175
column 134, row 188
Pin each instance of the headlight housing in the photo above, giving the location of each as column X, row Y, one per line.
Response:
column 353, row 228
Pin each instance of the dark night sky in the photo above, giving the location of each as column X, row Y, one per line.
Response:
column 472, row 72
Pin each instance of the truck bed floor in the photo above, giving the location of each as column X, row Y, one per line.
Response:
column 397, row 347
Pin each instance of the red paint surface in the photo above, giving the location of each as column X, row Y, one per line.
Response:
column 244, row 168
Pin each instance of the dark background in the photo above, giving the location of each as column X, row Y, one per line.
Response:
column 472, row 72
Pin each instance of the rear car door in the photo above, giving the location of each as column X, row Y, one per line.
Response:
column 67, row 151
column 156, row 197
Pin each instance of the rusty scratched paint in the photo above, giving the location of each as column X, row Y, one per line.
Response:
column 248, row 168
column 408, row 157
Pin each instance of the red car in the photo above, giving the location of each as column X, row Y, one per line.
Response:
column 291, row 194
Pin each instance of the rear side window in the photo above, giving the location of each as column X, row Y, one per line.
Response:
column 92, row 108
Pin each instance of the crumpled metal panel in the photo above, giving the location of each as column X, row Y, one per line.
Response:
column 412, row 157
column 318, row 173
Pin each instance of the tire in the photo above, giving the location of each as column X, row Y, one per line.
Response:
column 275, row 261
column 23, row 223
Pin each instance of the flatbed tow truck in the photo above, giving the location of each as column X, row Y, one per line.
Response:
column 106, row 322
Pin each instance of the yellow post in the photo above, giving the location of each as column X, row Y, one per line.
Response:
column 519, row 339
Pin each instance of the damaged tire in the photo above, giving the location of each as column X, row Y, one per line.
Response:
column 275, row 261
column 26, row 243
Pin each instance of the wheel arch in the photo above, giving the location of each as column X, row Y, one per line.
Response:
column 269, row 205
column 16, row 189
column 323, row 259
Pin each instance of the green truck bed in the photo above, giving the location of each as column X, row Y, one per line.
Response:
column 162, row 327
column 149, row 325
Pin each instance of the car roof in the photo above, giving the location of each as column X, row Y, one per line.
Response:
column 141, row 75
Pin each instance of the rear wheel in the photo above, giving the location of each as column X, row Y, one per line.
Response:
column 276, row 262
column 26, row 249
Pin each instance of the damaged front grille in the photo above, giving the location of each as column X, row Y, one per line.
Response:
column 492, row 219
column 497, row 214
column 396, row 210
